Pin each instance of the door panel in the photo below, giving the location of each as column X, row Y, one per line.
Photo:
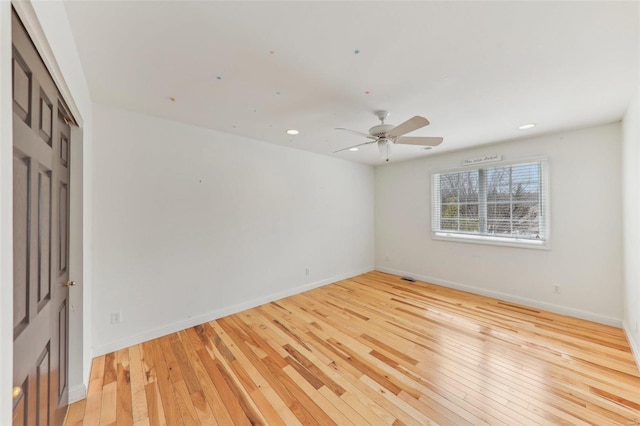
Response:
column 21, row 88
column 44, row 238
column 64, row 150
column 43, row 378
column 62, row 348
column 63, row 255
column 46, row 120
column 41, row 238
column 21, row 231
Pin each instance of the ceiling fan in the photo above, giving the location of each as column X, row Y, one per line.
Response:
column 386, row 134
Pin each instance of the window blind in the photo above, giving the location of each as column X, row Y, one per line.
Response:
column 504, row 202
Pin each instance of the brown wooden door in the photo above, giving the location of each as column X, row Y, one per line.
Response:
column 41, row 139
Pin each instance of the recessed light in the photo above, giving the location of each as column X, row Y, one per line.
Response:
column 292, row 132
column 527, row 126
column 353, row 149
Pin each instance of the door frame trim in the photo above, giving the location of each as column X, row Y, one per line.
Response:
column 6, row 217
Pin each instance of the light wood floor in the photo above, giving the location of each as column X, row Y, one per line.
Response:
column 372, row 350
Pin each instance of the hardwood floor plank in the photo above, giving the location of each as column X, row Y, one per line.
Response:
column 181, row 393
column 225, row 375
column 185, row 404
column 109, row 401
column 192, row 343
column 124, row 414
column 203, row 410
column 377, row 350
column 164, row 383
column 186, row 369
column 154, row 404
column 155, row 408
column 347, row 410
column 110, row 373
column 271, row 406
column 75, row 414
column 318, row 398
column 138, row 395
column 237, row 414
column 271, row 370
column 93, row 405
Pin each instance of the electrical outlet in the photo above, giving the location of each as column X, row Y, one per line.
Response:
column 307, row 272
column 556, row 289
column 116, row 318
column 386, row 259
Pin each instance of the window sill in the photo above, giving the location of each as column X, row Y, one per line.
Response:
column 494, row 241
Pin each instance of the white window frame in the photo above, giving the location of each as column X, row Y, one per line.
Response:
column 543, row 244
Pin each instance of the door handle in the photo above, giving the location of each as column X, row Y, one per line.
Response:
column 17, row 395
column 69, row 283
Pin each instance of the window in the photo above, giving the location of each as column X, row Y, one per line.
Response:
column 503, row 204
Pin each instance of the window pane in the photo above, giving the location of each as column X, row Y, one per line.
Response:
column 469, row 225
column 498, row 226
column 469, row 210
column 449, row 225
column 498, row 184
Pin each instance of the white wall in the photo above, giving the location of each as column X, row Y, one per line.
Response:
column 192, row 224
column 631, row 222
column 586, row 242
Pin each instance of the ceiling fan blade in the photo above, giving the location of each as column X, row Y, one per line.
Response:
column 408, row 126
column 356, row 132
column 419, row 140
column 354, row 146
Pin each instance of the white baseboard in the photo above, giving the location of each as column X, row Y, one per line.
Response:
column 219, row 313
column 77, row 393
column 558, row 309
column 635, row 346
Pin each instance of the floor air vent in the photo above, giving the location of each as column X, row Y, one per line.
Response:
column 411, row 280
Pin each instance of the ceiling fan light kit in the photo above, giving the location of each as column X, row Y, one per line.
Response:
column 386, row 134
column 384, row 146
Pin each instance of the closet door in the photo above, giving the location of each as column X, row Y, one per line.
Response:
column 41, row 139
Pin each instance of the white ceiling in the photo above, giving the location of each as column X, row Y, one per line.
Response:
column 476, row 70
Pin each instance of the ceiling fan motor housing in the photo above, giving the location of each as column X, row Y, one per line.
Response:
column 380, row 130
